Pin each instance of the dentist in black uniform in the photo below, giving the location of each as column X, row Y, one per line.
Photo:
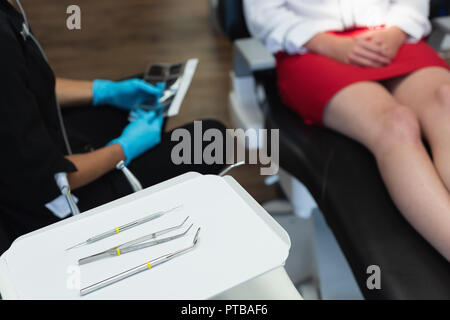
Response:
column 33, row 148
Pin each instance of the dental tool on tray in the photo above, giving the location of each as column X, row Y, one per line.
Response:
column 137, row 244
column 143, row 267
column 162, row 107
column 122, row 228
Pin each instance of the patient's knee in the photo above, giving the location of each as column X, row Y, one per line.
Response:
column 443, row 95
column 439, row 112
column 398, row 125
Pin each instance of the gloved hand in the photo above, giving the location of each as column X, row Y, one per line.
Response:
column 125, row 94
column 140, row 135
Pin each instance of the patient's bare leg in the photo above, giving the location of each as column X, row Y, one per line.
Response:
column 427, row 92
column 368, row 113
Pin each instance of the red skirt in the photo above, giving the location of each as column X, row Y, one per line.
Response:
column 308, row 82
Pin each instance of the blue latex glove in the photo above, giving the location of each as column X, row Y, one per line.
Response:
column 126, row 94
column 140, row 135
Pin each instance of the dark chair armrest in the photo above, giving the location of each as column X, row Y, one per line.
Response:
column 442, row 24
column 251, row 56
column 441, row 30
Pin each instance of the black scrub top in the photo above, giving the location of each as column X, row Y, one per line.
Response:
column 31, row 142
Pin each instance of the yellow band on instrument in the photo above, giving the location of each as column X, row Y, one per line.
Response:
column 118, row 252
column 117, row 230
column 148, row 265
column 68, row 192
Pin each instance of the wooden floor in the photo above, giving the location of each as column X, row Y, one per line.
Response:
column 121, row 37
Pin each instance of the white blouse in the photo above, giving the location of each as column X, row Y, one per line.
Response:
column 288, row 24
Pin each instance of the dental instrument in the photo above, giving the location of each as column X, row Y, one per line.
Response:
column 231, row 167
column 64, row 187
column 137, row 244
column 124, row 227
column 132, row 180
column 162, row 107
column 131, row 272
column 173, row 89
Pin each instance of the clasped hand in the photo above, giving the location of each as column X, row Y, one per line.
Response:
column 374, row 48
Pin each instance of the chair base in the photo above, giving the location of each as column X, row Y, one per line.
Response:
column 313, row 241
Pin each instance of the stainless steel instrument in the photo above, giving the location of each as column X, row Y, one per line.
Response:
column 137, row 244
column 143, row 267
column 132, row 180
column 122, row 228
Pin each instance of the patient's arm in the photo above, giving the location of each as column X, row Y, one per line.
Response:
column 357, row 51
column 73, row 92
column 93, row 165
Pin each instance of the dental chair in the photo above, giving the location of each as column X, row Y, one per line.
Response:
column 326, row 173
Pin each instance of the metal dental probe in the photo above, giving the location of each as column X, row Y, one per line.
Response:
column 124, row 227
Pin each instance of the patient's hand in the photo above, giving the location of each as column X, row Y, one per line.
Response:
column 360, row 52
column 356, row 51
column 389, row 40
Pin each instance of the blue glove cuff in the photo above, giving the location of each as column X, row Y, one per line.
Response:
column 99, row 90
column 128, row 158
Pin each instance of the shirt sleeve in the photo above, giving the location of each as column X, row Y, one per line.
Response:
column 29, row 156
column 278, row 27
column 411, row 16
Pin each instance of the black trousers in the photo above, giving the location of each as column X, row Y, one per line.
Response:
column 91, row 128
